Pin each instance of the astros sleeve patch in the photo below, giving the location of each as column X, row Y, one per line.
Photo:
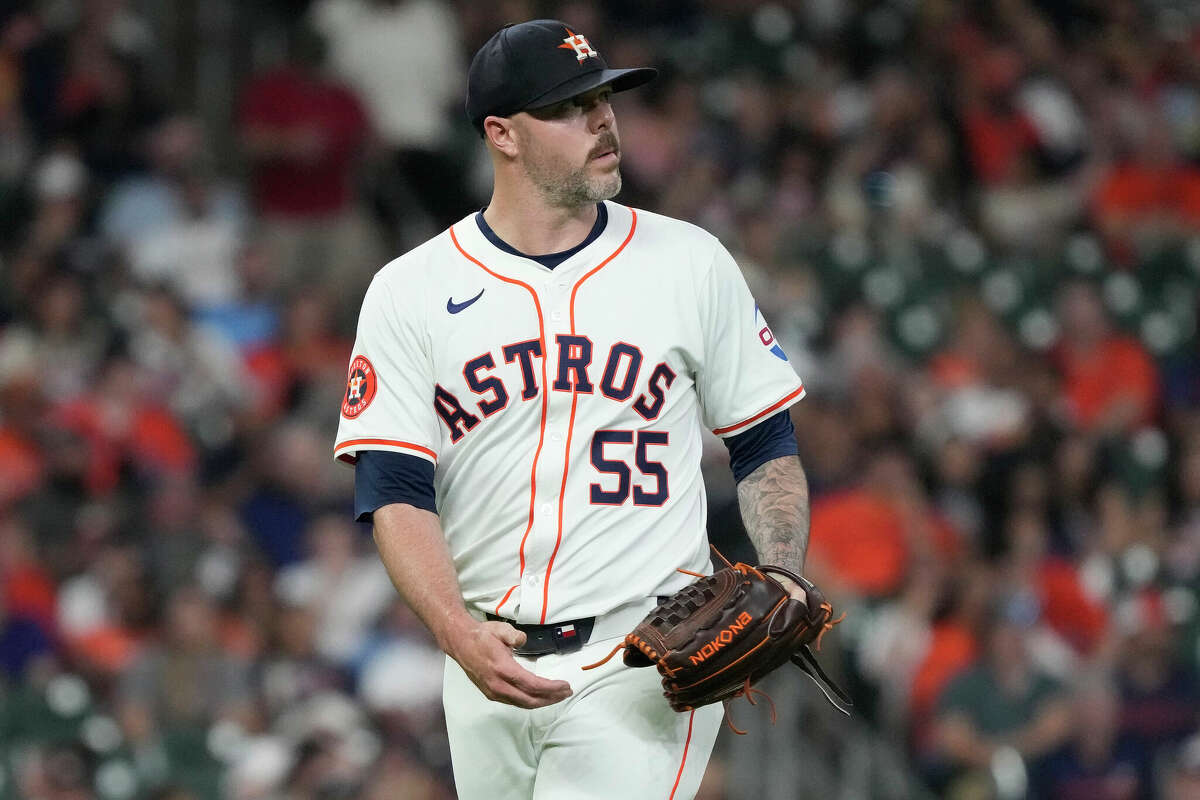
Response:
column 361, row 384
column 388, row 400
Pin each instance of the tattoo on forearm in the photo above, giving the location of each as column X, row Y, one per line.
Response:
column 774, row 504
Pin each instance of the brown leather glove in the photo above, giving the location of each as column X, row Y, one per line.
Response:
column 713, row 639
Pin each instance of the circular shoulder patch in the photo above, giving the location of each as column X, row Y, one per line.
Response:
column 360, row 387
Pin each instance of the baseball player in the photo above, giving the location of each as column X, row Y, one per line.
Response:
column 524, row 408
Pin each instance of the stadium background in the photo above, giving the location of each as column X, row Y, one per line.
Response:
column 975, row 226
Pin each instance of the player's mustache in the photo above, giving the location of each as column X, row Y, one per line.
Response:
column 608, row 141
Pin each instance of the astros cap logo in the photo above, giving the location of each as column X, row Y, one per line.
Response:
column 579, row 43
column 360, row 387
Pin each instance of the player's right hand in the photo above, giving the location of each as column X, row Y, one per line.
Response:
column 485, row 654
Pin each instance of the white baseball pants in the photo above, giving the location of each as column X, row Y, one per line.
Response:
column 615, row 737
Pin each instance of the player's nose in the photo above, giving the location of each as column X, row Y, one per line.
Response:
column 601, row 116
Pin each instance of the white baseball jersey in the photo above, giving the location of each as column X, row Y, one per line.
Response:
column 562, row 408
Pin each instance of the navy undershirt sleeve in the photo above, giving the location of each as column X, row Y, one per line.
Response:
column 772, row 438
column 382, row 477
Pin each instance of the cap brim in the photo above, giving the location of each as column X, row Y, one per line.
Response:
column 621, row 79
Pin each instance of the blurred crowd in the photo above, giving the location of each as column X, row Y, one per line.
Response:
column 975, row 226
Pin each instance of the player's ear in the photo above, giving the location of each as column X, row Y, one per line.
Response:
column 500, row 133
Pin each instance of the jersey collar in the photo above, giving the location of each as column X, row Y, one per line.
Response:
column 512, row 265
column 550, row 260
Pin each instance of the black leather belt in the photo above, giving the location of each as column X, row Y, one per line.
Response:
column 561, row 637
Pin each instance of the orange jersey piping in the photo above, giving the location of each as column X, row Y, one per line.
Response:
column 683, row 760
column 389, row 442
column 760, row 414
column 545, row 392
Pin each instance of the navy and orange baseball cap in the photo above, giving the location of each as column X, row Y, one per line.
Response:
column 536, row 64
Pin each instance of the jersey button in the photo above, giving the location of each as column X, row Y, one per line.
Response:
column 555, row 315
column 547, row 508
column 556, row 437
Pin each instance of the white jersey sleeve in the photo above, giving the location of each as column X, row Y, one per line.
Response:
column 388, row 402
column 745, row 375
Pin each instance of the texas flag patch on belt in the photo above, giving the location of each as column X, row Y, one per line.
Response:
column 566, row 631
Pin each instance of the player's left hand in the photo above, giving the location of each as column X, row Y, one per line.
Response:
column 793, row 588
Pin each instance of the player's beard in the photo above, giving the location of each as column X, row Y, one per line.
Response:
column 566, row 186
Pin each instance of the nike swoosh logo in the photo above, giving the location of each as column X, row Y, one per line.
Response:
column 454, row 307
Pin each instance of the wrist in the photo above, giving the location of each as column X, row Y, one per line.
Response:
column 787, row 555
column 455, row 629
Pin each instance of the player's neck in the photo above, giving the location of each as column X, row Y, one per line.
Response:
column 536, row 228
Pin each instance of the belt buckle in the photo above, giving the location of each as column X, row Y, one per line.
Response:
column 536, row 652
column 567, row 638
column 542, row 640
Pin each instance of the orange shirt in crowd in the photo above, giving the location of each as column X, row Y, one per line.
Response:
column 1118, row 368
column 952, row 648
column 1133, row 194
column 149, row 438
column 107, row 648
column 997, row 142
column 866, row 542
column 1134, row 190
column 1067, row 608
column 21, row 466
column 860, row 538
column 951, row 370
column 278, row 366
column 29, row 592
